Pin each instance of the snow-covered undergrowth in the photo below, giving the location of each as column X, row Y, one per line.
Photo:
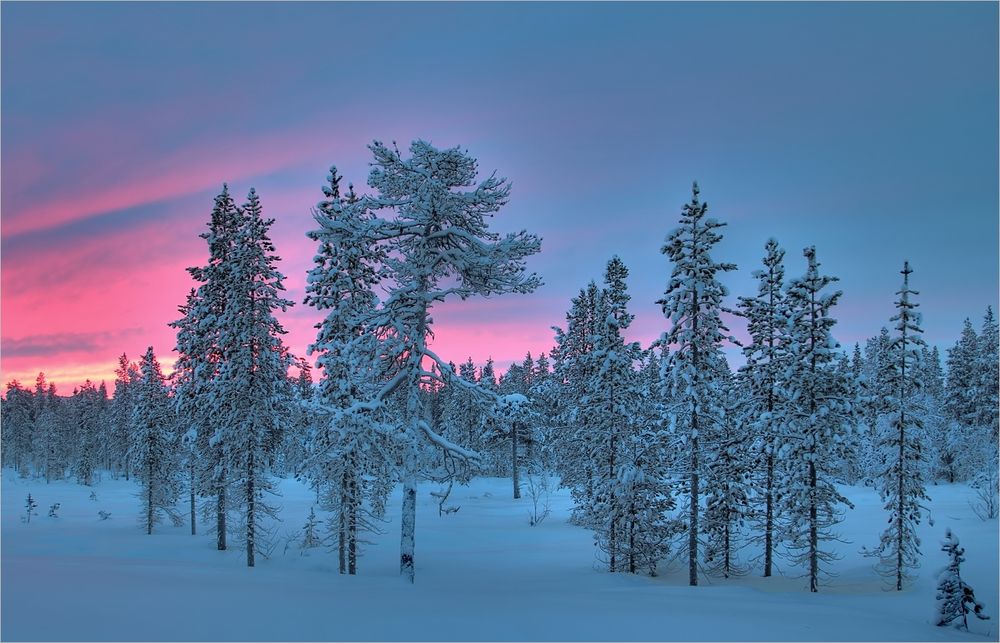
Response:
column 482, row 573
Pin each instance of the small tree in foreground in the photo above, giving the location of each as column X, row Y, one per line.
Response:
column 30, row 506
column 955, row 599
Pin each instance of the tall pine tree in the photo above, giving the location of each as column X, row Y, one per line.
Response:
column 693, row 305
column 819, row 415
column 766, row 359
column 901, row 482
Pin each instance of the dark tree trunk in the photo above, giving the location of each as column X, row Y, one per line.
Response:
column 693, row 528
column 513, row 460
column 769, row 516
column 193, row 513
column 251, row 511
column 220, row 516
column 813, row 531
column 149, row 497
column 342, row 534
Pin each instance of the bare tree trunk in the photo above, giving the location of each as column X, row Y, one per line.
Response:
column 408, row 525
column 149, row 497
column 352, row 520
column 813, row 530
column 769, row 515
column 220, row 515
column 613, row 526
column 342, row 535
column 251, row 510
column 900, row 504
column 193, row 514
column 352, row 541
column 727, row 560
column 693, row 527
column 631, row 538
column 513, row 460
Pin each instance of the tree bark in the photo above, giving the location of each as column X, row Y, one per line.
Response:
column 193, row 513
column 813, row 529
column 408, row 527
column 769, row 516
column 693, row 528
column 342, row 535
column 149, row 496
column 251, row 510
column 513, row 460
column 220, row 516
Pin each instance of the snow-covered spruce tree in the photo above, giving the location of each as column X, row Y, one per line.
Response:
column 290, row 453
column 572, row 438
column 154, row 446
column 727, row 477
column 901, row 483
column 871, row 407
column 512, row 420
column 200, row 355
column 16, row 422
column 939, row 463
column 52, row 431
column 437, row 246
column 89, row 409
column 126, row 375
column 847, row 468
column 819, row 412
column 461, row 413
column 988, row 412
column 544, row 393
column 251, row 388
column 612, row 397
column 643, row 490
column 955, row 599
column 693, row 304
column 962, row 388
column 348, row 457
column 766, row 360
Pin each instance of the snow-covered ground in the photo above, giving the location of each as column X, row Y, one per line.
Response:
column 482, row 573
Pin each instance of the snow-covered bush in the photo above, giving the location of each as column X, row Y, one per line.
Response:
column 30, row 505
column 986, row 504
column 538, row 492
column 955, row 599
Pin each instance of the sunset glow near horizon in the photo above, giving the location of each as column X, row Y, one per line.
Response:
column 867, row 130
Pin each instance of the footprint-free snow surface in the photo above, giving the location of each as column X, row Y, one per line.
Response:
column 482, row 573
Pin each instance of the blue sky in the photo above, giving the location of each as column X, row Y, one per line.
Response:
column 867, row 129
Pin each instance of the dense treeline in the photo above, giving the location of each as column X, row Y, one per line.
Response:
column 667, row 451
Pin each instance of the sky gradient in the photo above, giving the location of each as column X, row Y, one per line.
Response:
column 867, row 129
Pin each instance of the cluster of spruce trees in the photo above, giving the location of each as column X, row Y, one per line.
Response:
column 666, row 450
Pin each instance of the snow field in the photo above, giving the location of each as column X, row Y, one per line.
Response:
column 482, row 573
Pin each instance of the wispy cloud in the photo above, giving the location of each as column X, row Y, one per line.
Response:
column 43, row 346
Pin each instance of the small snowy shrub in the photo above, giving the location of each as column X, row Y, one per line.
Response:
column 53, row 510
column 538, row 491
column 93, row 496
column 104, row 514
column 955, row 599
column 987, row 502
column 310, row 533
column 30, row 505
